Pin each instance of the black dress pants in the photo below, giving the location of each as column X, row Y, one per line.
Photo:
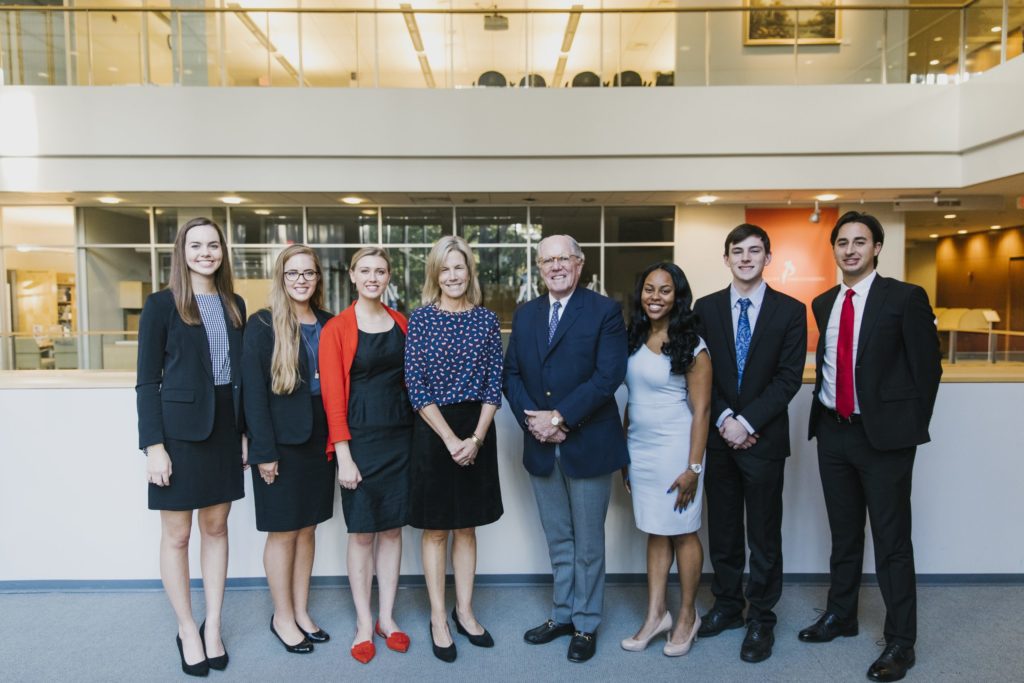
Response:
column 735, row 480
column 857, row 478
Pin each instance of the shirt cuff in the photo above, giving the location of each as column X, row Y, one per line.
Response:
column 721, row 418
column 746, row 425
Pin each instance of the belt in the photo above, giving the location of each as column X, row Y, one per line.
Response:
column 836, row 417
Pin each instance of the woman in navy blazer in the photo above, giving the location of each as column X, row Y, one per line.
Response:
column 191, row 426
column 293, row 485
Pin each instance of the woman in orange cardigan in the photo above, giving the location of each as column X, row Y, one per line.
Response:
column 369, row 422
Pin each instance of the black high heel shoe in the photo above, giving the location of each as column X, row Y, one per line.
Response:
column 198, row 669
column 303, row 647
column 445, row 654
column 318, row 636
column 482, row 640
column 218, row 663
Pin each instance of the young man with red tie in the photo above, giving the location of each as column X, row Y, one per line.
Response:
column 877, row 374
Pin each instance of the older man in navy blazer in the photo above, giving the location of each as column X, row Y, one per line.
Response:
column 566, row 357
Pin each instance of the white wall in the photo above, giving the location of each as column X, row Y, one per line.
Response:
column 73, row 496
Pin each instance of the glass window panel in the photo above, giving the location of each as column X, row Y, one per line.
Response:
column 330, row 50
column 37, row 225
column 408, row 267
column 639, row 223
column 169, row 219
column 484, row 55
column 341, row 225
column 582, row 222
column 624, row 265
column 195, row 40
column 339, row 292
column 590, row 277
column 983, row 45
column 416, row 225
column 246, row 58
column 252, row 271
column 502, row 275
column 117, row 283
column 488, row 225
column 127, row 225
column 163, row 267
column 933, row 55
column 273, row 225
column 114, row 40
column 283, row 33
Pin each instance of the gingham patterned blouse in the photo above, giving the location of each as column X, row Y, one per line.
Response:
column 211, row 310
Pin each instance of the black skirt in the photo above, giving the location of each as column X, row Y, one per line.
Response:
column 204, row 473
column 444, row 495
column 303, row 492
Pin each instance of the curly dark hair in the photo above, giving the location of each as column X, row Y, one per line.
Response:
column 682, row 322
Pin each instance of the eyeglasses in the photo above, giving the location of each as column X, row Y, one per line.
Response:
column 307, row 275
column 564, row 260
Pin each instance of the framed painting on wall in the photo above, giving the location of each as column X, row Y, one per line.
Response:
column 769, row 23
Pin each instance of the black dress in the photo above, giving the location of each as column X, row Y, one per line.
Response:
column 380, row 421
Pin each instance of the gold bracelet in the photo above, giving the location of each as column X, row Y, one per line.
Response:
column 476, row 440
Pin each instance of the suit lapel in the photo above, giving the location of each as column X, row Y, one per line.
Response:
column 202, row 345
column 725, row 320
column 541, row 337
column 821, row 317
column 234, row 346
column 569, row 315
column 768, row 305
column 872, row 308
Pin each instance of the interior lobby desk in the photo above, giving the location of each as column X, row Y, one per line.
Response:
column 73, row 491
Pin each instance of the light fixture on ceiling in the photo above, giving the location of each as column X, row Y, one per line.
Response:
column 934, row 62
column 815, row 216
column 911, row 54
column 353, row 200
column 937, row 39
column 961, row 232
column 107, row 199
column 495, row 22
column 995, row 227
column 949, row 216
column 231, row 199
column 934, row 235
column 262, row 212
column 996, row 29
column 369, row 212
column 567, row 39
column 417, row 44
column 707, row 199
column 827, row 197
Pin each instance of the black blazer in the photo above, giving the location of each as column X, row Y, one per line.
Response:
column 577, row 374
column 174, row 383
column 898, row 364
column 273, row 419
column 773, row 372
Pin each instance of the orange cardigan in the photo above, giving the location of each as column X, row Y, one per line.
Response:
column 338, row 343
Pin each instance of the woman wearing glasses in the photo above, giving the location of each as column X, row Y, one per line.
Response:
column 293, row 478
column 370, row 425
column 453, row 371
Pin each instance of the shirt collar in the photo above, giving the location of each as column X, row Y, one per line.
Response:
column 755, row 299
column 861, row 288
column 564, row 300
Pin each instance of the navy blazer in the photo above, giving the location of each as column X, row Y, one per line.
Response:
column 577, row 375
column 174, row 382
column 773, row 372
column 272, row 418
column 898, row 363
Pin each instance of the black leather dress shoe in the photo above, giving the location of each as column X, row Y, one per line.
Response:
column 757, row 645
column 547, row 632
column 827, row 628
column 582, row 646
column 893, row 664
column 303, row 647
column 318, row 636
column 716, row 621
column 482, row 640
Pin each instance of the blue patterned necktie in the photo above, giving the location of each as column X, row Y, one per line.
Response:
column 553, row 323
column 742, row 341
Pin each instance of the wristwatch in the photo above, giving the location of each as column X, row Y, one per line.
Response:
column 557, row 420
column 696, row 468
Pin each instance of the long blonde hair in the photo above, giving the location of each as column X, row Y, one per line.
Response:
column 284, row 364
column 181, row 279
column 435, row 261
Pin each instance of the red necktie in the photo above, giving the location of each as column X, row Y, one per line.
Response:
column 844, row 359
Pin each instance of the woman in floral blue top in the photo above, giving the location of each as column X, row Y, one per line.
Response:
column 453, row 373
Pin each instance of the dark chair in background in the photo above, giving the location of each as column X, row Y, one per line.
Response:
column 586, row 79
column 664, row 78
column 628, row 79
column 532, row 81
column 492, row 79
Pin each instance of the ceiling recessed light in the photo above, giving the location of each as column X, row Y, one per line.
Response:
column 934, row 62
column 994, row 227
column 369, row 212
column 961, row 232
column 262, row 212
column 949, row 216
column 911, row 54
column 996, row 29
column 281, row 217
column 707, row 199
column 353, row 200
column 231, row 199
column 109, row 200
column 937, row 39
column 934, row 235
column 827, row 197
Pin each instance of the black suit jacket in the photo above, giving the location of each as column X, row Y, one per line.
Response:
column 576, row 374
column 772, row 374
column 174, row 382
column 898, row 363
column 272, row 418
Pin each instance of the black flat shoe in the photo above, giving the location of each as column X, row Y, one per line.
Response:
column 582, row 647
column 757, row 645
column 320, row 636
column 445, row 654
column 716, row 621
column 198, row 669
column 547, row 632
column 828, row 627
column 303, row 647
column 482, row 640
column 893, row 664
column 218, row 663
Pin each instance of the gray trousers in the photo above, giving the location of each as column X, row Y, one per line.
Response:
column 572, row 512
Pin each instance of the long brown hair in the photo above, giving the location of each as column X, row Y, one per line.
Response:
column 181, row 280
column 284, row 364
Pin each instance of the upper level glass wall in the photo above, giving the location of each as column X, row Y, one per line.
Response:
column 393, row 44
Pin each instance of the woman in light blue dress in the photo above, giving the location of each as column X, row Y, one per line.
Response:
column 669, row 381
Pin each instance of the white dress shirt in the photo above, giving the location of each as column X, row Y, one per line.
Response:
column 756, row 300
column 827, row 395
column 561, row 311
